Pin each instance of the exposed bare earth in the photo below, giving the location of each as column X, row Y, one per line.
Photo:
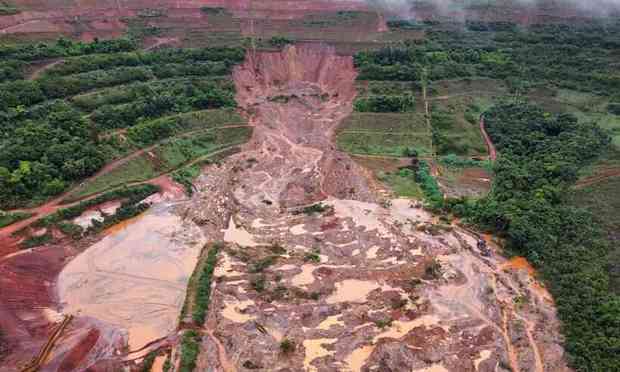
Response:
column 367, row 300
column 368, row 284
column 107, row 18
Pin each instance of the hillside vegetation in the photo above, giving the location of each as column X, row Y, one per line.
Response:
column 62, row 122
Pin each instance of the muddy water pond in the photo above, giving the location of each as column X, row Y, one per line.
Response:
column 135, row 278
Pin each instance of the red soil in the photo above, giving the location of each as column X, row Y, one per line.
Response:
column 26, row 285
column 299, row 96
column 104, row 18
column 487, row 139
column 75, row 358
column 601, row 175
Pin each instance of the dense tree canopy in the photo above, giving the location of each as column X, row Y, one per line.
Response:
column 47, row 142
column 540, row 156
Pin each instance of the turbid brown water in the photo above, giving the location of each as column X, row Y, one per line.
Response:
column 135, row 278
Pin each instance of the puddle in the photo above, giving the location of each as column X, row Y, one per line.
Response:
column 122, row 225
column 358, row 357
column 356, row 360
column 315, row 350
column 330, row 321
column 363, row 214
column 433, row 368
column 234, row 311
column 258, row 224
column 85, row 219
column 136, row 276
column 352, row 290
column 399, row 329
column 402, row 211
column 371, row 253
column 305, row 277
column 238, row 235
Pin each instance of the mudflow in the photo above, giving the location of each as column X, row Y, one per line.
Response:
column 371, row 283
column 366, row 283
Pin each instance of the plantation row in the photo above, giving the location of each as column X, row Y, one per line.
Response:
column 53, row 128
column 580, row 57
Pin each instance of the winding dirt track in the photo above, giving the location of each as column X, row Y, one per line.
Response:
column 593, row 180
column 57, row 203
column 487, row 140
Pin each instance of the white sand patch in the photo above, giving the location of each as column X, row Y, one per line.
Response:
column 238, row 235
column 235, row 310
column 356, row 360
column 298, row 229
column 305, row 277
column 433, row 368
column 371, row 253
column 484, row 355
column 399, row 329
column 353, row 290
column 362, row 214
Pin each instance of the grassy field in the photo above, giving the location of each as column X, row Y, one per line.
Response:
column 382, row 144
column 587, row 107
column 164, row 158
column 387, row 134
column 396, row 123
column 456, row 106
column 603, row 201
column 402, row 183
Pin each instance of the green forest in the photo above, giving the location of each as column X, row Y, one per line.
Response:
column 541, row 155
column 55, row 128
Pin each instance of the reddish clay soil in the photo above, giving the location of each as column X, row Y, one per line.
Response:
column 353, row 307
column 601, row 175
column 343, row 291
column 105, row 18
column 75, row 358
column 26, row 285
column 487, row 140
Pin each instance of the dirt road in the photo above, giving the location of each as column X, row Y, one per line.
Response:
column 487, row 140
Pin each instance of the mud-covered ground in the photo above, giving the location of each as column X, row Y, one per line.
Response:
column 365, row 283
column 317, row 257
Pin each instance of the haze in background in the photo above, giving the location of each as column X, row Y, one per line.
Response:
column 403, row 8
